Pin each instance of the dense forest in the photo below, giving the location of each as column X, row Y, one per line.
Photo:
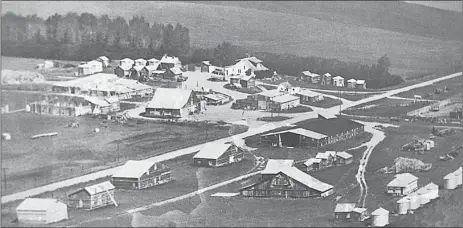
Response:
column 82, row 37
column 85, row 37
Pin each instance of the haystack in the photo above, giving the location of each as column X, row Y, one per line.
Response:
column 402, row 164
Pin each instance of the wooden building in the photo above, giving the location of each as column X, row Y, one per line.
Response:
column 153, row 62
column 359, row 214
column 351, row 83
column 135, row 72
column 126, row 63
column 206, row 66
column 41, row 211
column 173, row 74
column 338, row 81
column 402, row 184
column 326, row 79
column 216, row 99
column 284, row 87
column 307, row 96
column 92, row 197
column 264, row 99
column 218, row 154
column 274, row 166
column 247, row 82
column 360, row 84
column 140, row 62
column 168, row 62
column 290, row 182
column 312, row 164
column 298, row 137
column 343, row 158
column 104, row 60
column 343, row 211
column 285, row 102
column 310, row 77
column 173, row 103
column 140, row 175
column 122, row 71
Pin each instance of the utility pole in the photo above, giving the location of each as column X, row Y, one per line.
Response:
column 118, row 151
column 4, row 177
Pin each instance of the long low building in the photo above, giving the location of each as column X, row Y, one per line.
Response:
column 218, row 154
column 41, row 211
column 173, row 103
column 103, row 85
column 141, row 174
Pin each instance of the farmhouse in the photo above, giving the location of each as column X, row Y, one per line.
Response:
column 298, row 137
column 307, row 96
column 168, row 62
column 103, row 85
column 92, row 197
column 274, row 166
column 122, row 71
column 402, row 184
column 310, row 77
column 360, row 84
column 242, row 65
column 290, row 182
column 326, row 79
column 140, row 62
column 338, row 81
column 140, row 175
column 41, row 211
column 343, row 158
column 173, row 103
column 104, row 60
column 351, row 83
column 218, row 154
column 284, row 87
column 285, row 102
column 380, row 217
column 126, row 62
column 343, row 211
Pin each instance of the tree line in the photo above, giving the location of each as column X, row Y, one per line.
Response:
column 85, row 36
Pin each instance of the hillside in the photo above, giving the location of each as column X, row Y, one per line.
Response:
column 395, row 16
column 260, row 30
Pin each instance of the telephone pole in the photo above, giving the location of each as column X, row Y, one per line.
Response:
column 4, row 177
column 118, row 151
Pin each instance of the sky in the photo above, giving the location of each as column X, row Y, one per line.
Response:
column 446, row 5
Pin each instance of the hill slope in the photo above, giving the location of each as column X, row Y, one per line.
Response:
column 260, row 30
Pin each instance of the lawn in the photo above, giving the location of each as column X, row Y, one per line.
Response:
column 348, row 96
column 327, row 102
column 385, row 108
column 297, row 109
column 75, row 151
column 429, row 92
column 186, row 178
column 252, row 90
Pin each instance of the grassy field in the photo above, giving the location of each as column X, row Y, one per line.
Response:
column 304, row 35
column 17, row 100
column 273, row 118
column 385, row 108
column 327, row 102
column 348, row 96
column 29, row 64
column 75, row 151
column 453, row 85
column 186, row 178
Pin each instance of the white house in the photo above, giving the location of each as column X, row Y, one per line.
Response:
column 104, row 60
column 338, row 81
column 91, row 67
column 284, row 87
column 126, row 62
column 361, row 84
column 402, row 184
column 351, row 83
column 140, row 62
column 245, row 64
column 41, row 211
column 153, row 62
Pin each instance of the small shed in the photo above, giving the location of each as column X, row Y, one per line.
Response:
column 351, row 83
column 450, row 181
column 359, row 214
column 404, row 205
column 343, row 211
column 343, row 158
column 414, row 201
column 380, row 217
column 433, row 190
column 218, row 154
column 206, row 67
column 338, row 81
column 41, row 211
column 312, row 164
column 92, row 197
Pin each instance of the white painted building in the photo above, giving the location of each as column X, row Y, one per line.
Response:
column 338, row 81
column 380, row 217
column 41, row 211
column 245, row 64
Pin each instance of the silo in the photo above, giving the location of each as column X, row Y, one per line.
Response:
column 403, row 206
column 414, row 202
column 450, row 181
column 380, row 217
column 433, row 191
column 423, row 196
column 458, row 176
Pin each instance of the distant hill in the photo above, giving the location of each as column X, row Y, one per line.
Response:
column 388, row 15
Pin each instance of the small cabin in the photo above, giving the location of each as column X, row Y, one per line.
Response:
column 92, row 197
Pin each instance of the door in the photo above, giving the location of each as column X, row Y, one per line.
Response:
column 81, row 204
column 231, row 159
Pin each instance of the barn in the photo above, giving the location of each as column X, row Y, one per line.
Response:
column 218, row 154
column 173, row 103
column 273, row 166
column 140, row 175
column 92, row 197
column 310, row 164
column 41, row 211
column 289, row 182
column 285, row 101
column 298, row 137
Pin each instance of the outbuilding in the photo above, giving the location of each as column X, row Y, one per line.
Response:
column 450, row 181
column 380, row 217
column 343, row 158
column 140, row 62
column 285, row 102
column 216, row 99
column 298, row 137
column 218, row 154
column 403, row 184
column 311, row 164
column 153, row 61
column 310, row 77
column 404, row 205
column 414, row 201
column 206, row 66
column 307, row 96
column 41, row 211
column 360, row 84
column 351, row 83
column 343, row 211
column 122, row 71
column 433, row 190
column 92, row 197
column 126, row 62
column 359, row 214
column 326, row 79
column 135, row 72
column 141, row 174
column 338, row 81
column 247, row 81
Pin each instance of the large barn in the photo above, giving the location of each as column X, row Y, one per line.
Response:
column 218, row 154
column 140, row 175
column 92, row 197
column 173, row 103
column 289, row 182
column 41, row 211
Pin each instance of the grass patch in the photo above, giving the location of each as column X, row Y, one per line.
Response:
column 273, row 118
column 327, row 102
column 385, row 108
column 429, row 92
column 297, row 109
column 252, row 90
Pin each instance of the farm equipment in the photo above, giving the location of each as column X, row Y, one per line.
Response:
column 452, row 154
column 442, row 132
column 418, row 145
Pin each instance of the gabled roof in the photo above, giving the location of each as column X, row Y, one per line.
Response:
column 344, row 155
column 170, row 98
column 169, row 59
column 206, row 63
column 133, row 169
column 176, row 70
column 380, row 211
column 274, row 165
column 331, row 127
column 138, row 68
column 310, row 74
column 151, row 68
column 300, row 131
column 308, row 93
column 327, row 74
column 326, row 115
column 351, row 80
column 104, row 58
column 431, row 186
column 153, row 60
column 359, row 210
column 124, row 67
column 331, row 152
column 285, row 85
column 306, row 179
column 216, row 96
column 311, row 161
column 127, row 60
column 337, row 78
column 402, row 180
column 247, row 78
column 360, row 81
column 37, row 204
column 212, row 150
column 270, row 93
column 285, row 98
column 322, row 156
column 344, row 207
column 140, row 60
column 98, row 188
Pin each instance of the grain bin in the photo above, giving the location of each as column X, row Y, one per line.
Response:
column 433, row 191
column 414, row 201
column 450, row 181
column 403, row 205
column 458, row 176
column 380, row 217
column 423, row 197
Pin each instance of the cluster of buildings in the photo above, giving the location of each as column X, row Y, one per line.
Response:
column 314, row 133
column 284, row 97
column 327, row 79
column 280, row 179
column 325, row 160
column 167, row 67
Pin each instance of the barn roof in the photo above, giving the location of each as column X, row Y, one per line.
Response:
column 153, row 60
column 133, row 169
column 344, row 155
column 344, row 207
column 98, row 188
column 37, row 204
column 310, row 74
column 140, row 60
column 212, row 150
column 380, row 211
column 138, row 68
column 216, row 96
column 308, row 93
column 151, row 68
column 300, row 131
column 270, row 93
column 104, row 58
column 330, row 127
column 402, row 180
column 331, row 152
column 311, row 161
column 170, row 98
column 274, row 165
column 176, row 70
column 322, row 156
column 338, row 78
column 306, row 179
column 285, row 98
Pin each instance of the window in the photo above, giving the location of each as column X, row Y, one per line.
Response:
column 279, row 180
